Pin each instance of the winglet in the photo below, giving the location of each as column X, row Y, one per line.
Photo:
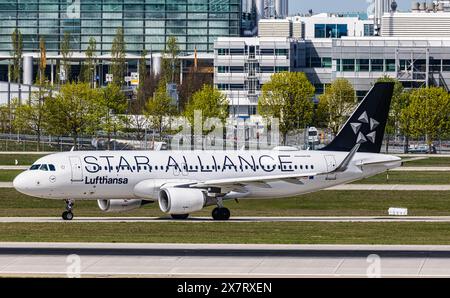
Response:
column 344, row 165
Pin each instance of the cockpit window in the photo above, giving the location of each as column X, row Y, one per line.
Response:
column 43, row 167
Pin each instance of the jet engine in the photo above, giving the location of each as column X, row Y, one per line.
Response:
column 119, row 205
column 173, row 200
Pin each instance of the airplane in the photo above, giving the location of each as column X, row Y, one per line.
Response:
column 185, row 182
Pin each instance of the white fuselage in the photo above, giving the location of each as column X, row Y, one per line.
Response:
column 97, row 175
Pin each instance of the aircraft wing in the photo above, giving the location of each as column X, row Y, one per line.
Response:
column 262, row 181
column 294, row 178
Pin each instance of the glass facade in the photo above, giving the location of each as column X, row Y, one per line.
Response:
column 146, row 23
column 330, row 30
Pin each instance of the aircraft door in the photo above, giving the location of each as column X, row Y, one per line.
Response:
column 76, row 167
column 331, row 165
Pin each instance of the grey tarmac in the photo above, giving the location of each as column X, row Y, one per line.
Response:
column 219, row 260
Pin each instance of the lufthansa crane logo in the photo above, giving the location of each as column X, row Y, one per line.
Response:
column 364, row 119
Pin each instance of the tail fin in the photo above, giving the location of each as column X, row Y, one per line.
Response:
column 367, row 123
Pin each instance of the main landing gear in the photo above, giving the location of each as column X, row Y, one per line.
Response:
column 68, row 215
column 220, row 212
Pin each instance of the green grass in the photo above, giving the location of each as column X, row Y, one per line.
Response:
column 428, row 162
column 324, row 203
column 23, row 159
column 432, row 178
column 9, row 175
column 267, row 233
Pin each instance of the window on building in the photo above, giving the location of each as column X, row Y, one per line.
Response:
column 320, row 88
column 338, row 65
column 236, row 69
column 237, row 87
column 376, row 64
column 390, row 65
column 267, row 69
column 330, row 30
column 342, row 30
column 223, row 86
column 236, row 51
column 435, row 64
column 369, row 30
column 362, row 65
column 281, row 52
column 319, row 30
column 326, row 62
column 281, row 69
column 223, row 69
column 314, row 62
column 361, row 94
column 222, row 52
column 348, row 64
column 267, row 52
column 445, row 65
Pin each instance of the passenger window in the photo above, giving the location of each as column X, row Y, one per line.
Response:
column 52, row 168
column 35, row 167
column 43, row 168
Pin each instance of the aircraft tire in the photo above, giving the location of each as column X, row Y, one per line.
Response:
column 221, row 213
column 67, row 215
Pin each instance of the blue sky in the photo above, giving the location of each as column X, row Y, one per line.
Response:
column 302, row 6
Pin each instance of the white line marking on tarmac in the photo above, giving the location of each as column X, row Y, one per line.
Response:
column 369, row 219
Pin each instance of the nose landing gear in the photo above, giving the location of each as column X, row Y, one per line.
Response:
column 68, row 215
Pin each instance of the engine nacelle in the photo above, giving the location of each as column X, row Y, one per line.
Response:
column 173, row 200
column 119, row 205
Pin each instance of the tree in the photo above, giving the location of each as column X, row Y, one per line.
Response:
column 429, row 112
column 336, row 104
column 90, row 63
column 110, row 108
column 4, row 119
column 42, row 62
column 73, row 111
column 397, row 104
column 211, row 102
column 193, row 81
column 66, row 52
column 118, row 58
column 142, row 71
column 159, row 107
column 288, row 97
column 404, row 122
column 170, row 61
column 31, row 117
column 17, row 46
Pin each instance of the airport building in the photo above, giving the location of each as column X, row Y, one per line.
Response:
column 147, row 24
column 327, row 47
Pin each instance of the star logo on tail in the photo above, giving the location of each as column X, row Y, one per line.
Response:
column 356, row 127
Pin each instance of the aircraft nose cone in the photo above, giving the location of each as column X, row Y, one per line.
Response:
column 20, row 183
